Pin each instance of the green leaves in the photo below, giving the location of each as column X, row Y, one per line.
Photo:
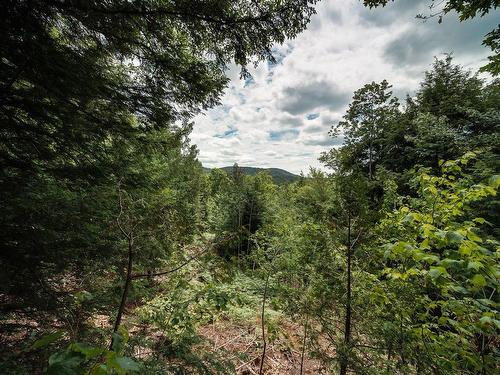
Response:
column 119, row 340
column 487, row 320
column 436, row 272
column 473, row 236
column 454, row 237
column 66, row 363
column 46, row 340
column 442, row 249
column 122, row 365
column 88, row 351
column 367, row 127
column 82, row 297
column 479, row 281
column 495, row 181
column 79, row 359
column 474, row 265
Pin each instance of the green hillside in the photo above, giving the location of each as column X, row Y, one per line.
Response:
column 279, row 175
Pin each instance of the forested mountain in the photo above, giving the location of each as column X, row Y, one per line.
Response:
column 121, row 255
column 279, row 175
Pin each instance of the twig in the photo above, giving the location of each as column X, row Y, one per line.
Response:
column 185, row 263
column 229, row 341
column 246, row 364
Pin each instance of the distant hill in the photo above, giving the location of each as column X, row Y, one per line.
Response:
column 279, row 175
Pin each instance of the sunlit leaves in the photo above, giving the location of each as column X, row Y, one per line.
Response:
column 46, row 340
column 79, row 359
column 441, row 248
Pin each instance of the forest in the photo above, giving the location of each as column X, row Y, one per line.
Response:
column 121, row 254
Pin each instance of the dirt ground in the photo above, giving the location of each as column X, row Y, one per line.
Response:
column 283, row 355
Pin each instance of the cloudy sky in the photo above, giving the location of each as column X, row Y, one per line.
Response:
column 281, row 117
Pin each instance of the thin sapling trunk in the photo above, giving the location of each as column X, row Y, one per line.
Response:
column 263, row 327
column 347, row 328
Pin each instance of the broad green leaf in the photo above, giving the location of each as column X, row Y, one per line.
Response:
column 488, row 320
column 495, row 181
column 127, row 364
column 411, row 217
column 120, row 338
column 62, row 369
column 424, row 245
column 447, row 262
column 65, row 363
column 454, row 237
column 428, row 229
column 99, row 370
column 118, row 342
column 442, row 320
column 467, row 247
column 430, row 258
column 88, row 351
column 83, row 296
column 479, row 281
column 122, row 365
column 475, row 265
column 431, row 189
column 46, row 340
column 473, row 236
column 459, row 289
column 436, row 272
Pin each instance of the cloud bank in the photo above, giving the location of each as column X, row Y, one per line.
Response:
column 281, row 117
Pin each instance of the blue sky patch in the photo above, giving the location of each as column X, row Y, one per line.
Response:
column 283, row 135
column 249, row 82
column 312, row 116
column 227, row 134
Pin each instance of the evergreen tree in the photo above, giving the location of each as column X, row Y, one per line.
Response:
column 366, row 125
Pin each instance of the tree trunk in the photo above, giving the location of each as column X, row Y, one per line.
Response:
column 126, row 287
column 263, row 327
column 239, row 238
column 249, row 228
column 370, row 161
column 347, row 328
column 483, row 361
column 303, row 347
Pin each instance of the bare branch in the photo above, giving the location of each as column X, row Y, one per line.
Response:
column 120, row 201
column 185, row 263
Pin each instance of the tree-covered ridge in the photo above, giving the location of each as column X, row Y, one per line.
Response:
column 120, row 254
column 279, row 175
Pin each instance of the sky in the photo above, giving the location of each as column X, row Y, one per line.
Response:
column 281, row 116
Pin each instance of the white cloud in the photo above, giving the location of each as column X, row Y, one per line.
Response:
column 344, row 47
